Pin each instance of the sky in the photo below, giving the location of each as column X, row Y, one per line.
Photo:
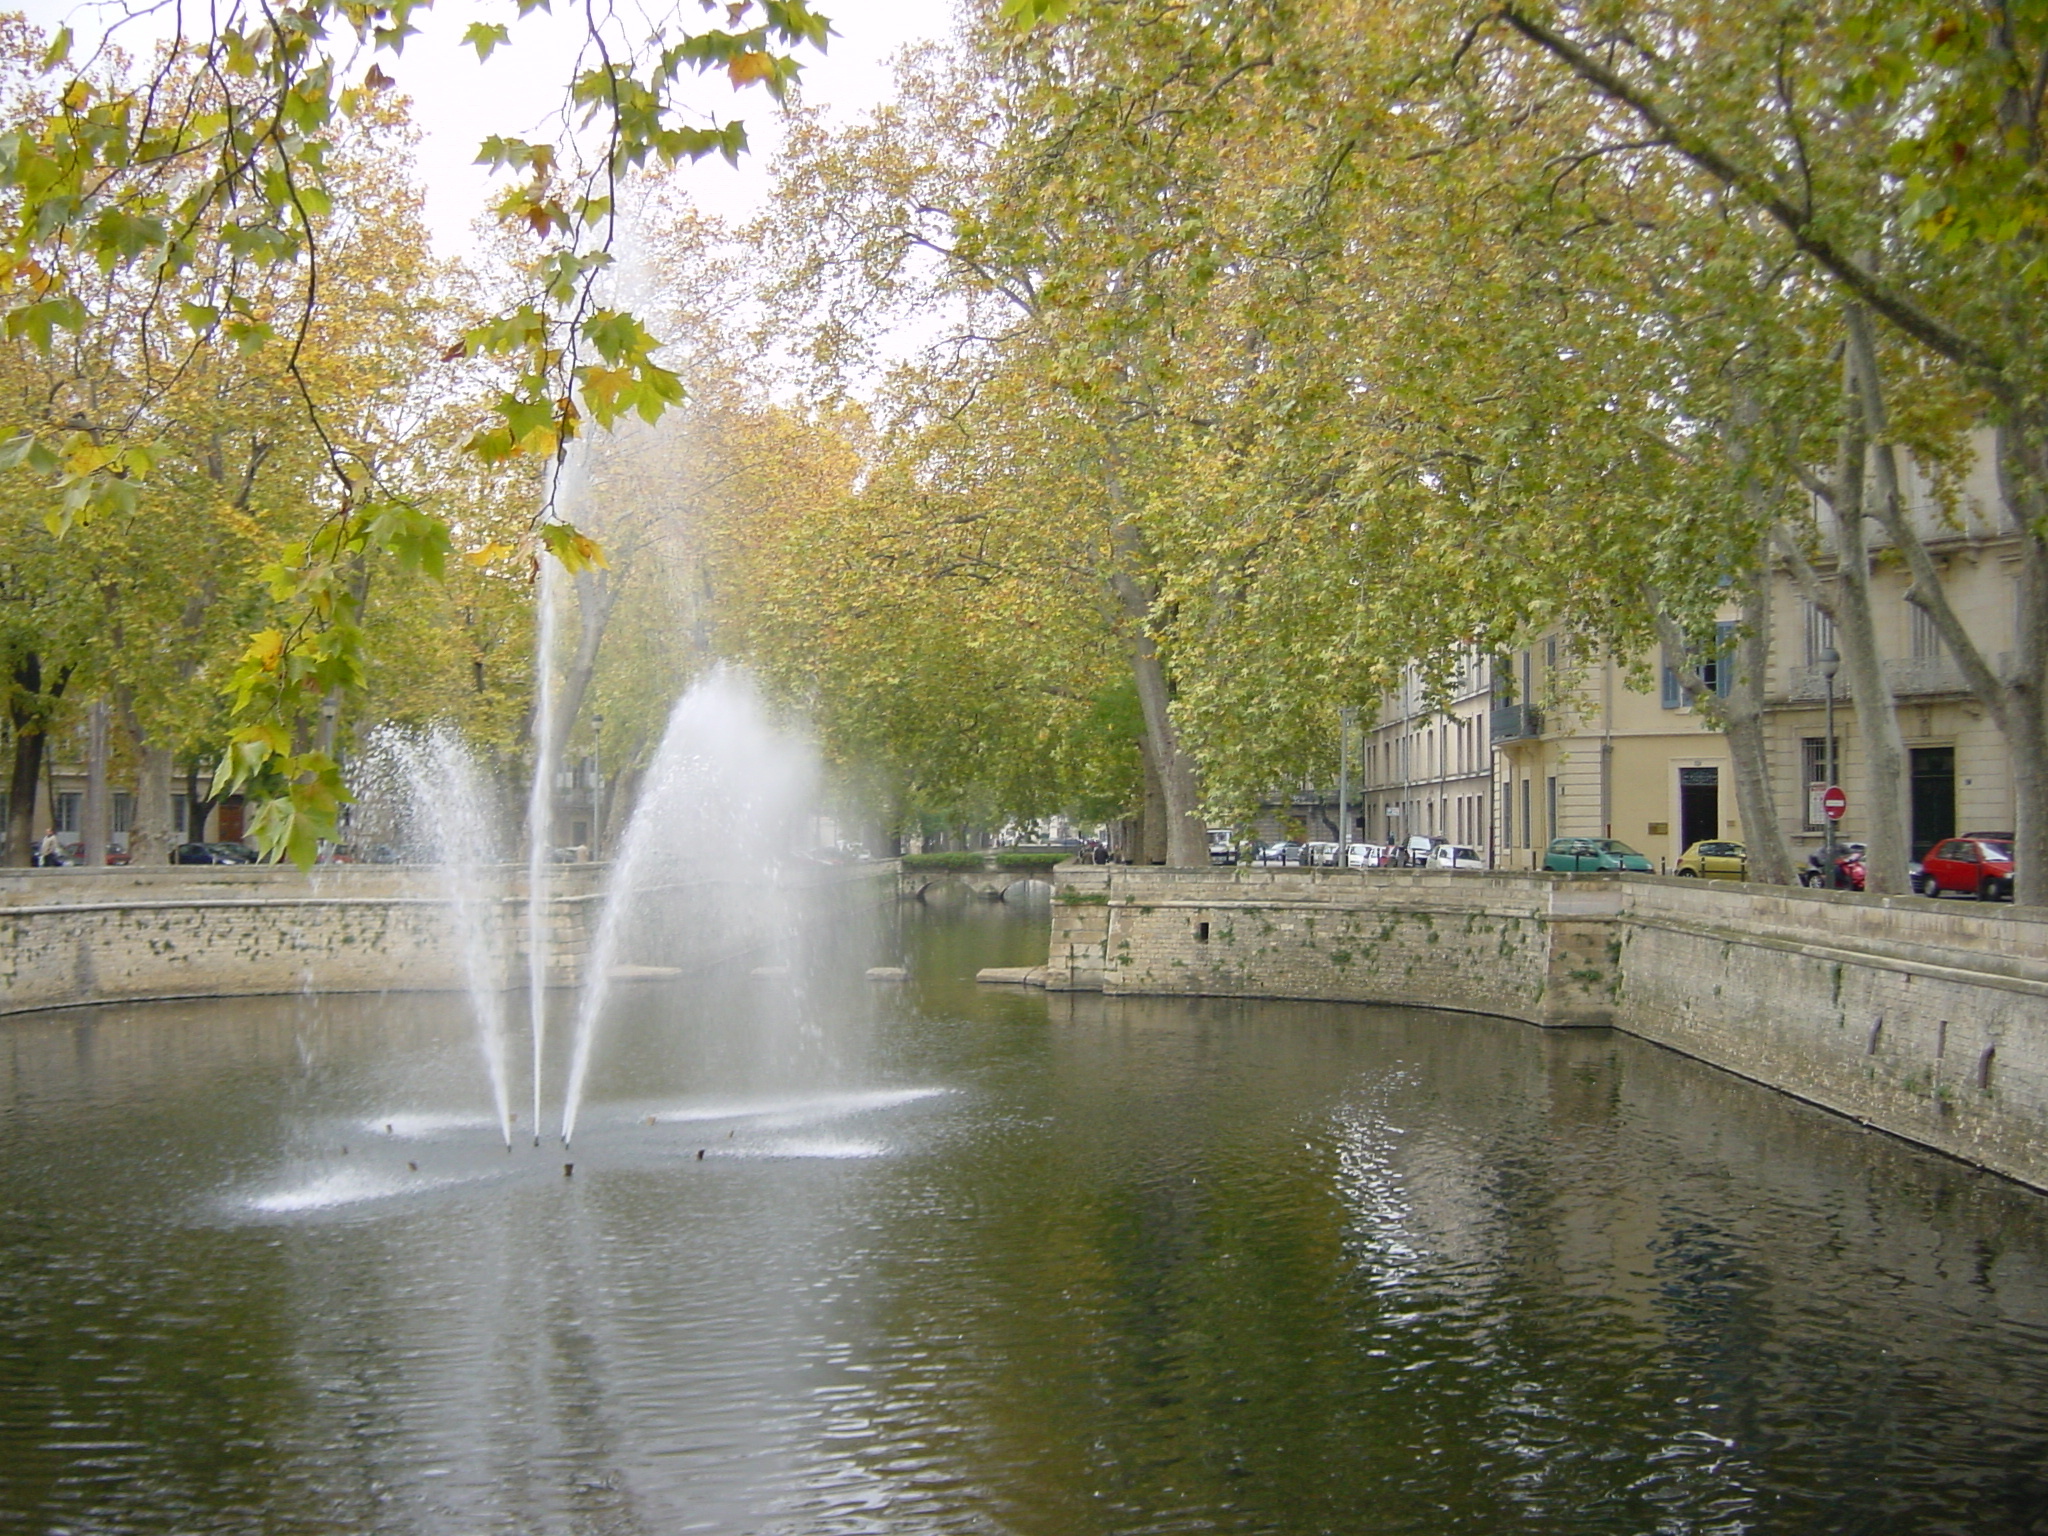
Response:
column 458, row 101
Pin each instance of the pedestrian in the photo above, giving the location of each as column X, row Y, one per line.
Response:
column 49, row 851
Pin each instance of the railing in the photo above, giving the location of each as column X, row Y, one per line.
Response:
column 1514, row 722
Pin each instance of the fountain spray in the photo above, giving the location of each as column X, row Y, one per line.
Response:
column 443, row 776
column 723, row 769
column 539, row 819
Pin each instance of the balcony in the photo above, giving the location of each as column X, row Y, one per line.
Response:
column 1514, row 722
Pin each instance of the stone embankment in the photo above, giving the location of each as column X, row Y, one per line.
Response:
column 1925, row 1019
column 71, row 936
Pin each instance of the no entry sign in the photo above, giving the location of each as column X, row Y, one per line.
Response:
column 1834, row 802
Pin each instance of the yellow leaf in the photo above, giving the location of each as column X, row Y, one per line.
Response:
column 265, row 647
column 746, row 68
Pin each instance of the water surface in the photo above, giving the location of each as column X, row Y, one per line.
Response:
column 976, row 1260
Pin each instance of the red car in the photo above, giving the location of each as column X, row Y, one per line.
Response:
column 1976, row 864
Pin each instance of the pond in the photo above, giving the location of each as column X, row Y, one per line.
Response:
column 839, row 1256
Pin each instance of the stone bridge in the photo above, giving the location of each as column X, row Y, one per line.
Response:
column 988, row 883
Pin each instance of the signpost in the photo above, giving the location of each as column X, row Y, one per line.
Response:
column 1836, row 805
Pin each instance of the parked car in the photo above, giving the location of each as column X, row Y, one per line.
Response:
column 1976, row 864
column 214, row 853
column 1222, row 846
column 1451, row 856
column 1321, row 855
column 1714, row 861
column 1280, row 853
column 1592, row 853
column 1365, row 855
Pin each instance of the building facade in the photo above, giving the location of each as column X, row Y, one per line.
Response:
column 1549, row 742
column 1427, row 763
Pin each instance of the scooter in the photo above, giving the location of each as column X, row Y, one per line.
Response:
column 1848, row 867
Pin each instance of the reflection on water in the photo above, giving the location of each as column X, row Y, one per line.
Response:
column 986, row 1260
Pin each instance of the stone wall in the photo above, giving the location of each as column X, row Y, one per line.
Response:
column 1927, row 1019
column 1528, row 947
column 70, row 936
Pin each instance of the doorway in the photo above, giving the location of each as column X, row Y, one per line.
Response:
column 1699, row 806
column 1934, row 797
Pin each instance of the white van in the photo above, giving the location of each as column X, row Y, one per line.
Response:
column 1451, row 856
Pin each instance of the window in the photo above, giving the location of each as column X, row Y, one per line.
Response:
column 1553, row 805
column 1716, row 671
column 1813, row 752
column 124, row 810
column 178, row 814
column 1528, row 822
column 1507, row 817
column 1719, row 671
column 1926, row 638
column 68, row 802
column 1820, row 634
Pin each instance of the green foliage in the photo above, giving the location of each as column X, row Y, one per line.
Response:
column 1013, row 858
column 206, row 188
column 941, row 861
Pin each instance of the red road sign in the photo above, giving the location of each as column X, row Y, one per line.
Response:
column 1834, row 802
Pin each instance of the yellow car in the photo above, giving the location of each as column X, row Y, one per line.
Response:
column 1714, row 861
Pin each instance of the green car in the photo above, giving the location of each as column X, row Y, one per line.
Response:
column 1589, row 853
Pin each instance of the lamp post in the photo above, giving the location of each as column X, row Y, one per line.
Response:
column 1830, row 664
column 596, row 787
column 1346, row 714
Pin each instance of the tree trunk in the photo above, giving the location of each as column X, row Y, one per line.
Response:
column 150, row 833
column 2023, row 477
column 596, row 595
column 1187, row 833
column 2013, row 702
column 29, row 713
column 1149, row 847
column 95, row 819
column 196, row 810
column 1740, row 719
column 1187, row 830
column 1756, row 800
column 1877, row 716
column 21, row 796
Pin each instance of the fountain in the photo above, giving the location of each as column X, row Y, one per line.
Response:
column 539, row 818
column 423, row 798
column 699, row 879
column 442, row 773
column 724, row 782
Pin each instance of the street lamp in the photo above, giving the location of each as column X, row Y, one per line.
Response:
column 1830, row 664
column 1346, row 715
